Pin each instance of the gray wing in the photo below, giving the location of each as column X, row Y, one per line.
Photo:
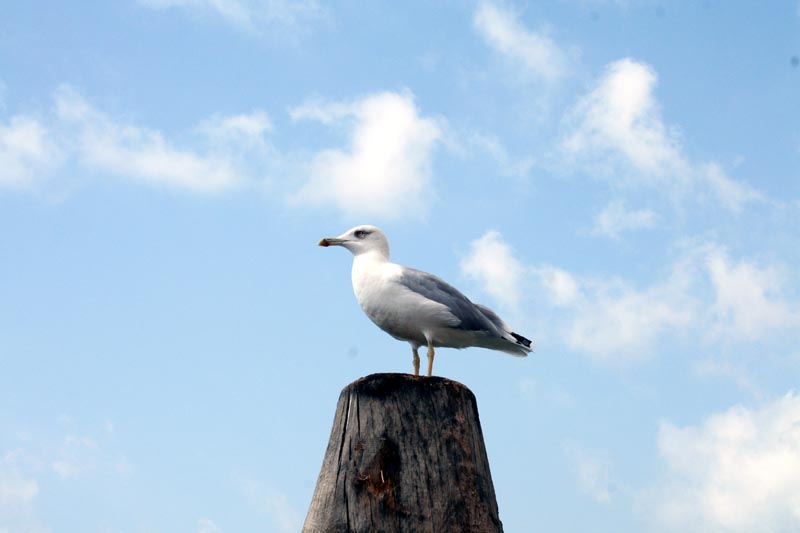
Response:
column 491, row 315
column 438, row 290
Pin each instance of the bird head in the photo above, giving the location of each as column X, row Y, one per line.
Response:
column 361, row 240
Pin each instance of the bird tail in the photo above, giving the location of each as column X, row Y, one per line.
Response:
column 522, row 341
column 510, row 342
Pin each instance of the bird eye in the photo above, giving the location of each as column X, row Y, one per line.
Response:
column 360, row 234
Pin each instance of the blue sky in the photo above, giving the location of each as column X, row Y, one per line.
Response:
column 619, row 179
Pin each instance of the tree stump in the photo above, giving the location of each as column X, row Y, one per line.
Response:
column 406, row 454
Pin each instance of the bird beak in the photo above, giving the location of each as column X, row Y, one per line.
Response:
column 332, row 241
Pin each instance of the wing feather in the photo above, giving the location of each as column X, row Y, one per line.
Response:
column 470, row 316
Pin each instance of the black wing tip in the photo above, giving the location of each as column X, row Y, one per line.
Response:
column 521, row 340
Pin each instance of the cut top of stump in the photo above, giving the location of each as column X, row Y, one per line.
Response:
column 406, row 454
column 387, row 385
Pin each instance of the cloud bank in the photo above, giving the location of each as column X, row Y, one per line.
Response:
column 706, row 294
column 383, row 169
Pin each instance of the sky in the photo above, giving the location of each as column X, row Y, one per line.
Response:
column 619, row 180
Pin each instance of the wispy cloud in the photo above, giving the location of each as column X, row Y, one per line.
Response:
column 733, row 194
column 19, row 496
column 27, row 150
column 249, row 15
column 593, row 471
column 617, row 130
column 65, row 469
column 273, row 503
column 749, row 301
column 16, row 489
column 616, row 219
column 29, row 467
column 615, row 320
column 140, row 153
column 734, row 372
column 562, row 288
column 736, row 471
column 206, row 525
column 531, row 53
column 247, row 127
column 222, row 152
column 385, row 170
column 506, row 164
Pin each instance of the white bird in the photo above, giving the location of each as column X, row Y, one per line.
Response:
column 417, row 307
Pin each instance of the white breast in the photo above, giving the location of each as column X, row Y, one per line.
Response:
column 395, row 309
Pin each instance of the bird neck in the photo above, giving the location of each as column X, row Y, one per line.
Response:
column 367, row 267
column 370, row 257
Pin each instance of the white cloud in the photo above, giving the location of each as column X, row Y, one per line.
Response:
column 140, row 153
column 491, row 262
column 731, row 193
column 613, row 319
column 26, row 151
column 617, row 131
column 593, row 472
column 561, row 286
column 221, row 153
column 249, row 15
column 616, row 219
column 507, row 165
column 275, row 504
column 618, row 321
column 385, row 172
column 608, row 319
column 748, row 299
column 535, row 53
column 737, row 471
column 620, row 117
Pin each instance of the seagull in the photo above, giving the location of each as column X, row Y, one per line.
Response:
column 417, row 307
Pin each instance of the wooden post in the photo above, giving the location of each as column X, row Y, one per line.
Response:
column 406, row 454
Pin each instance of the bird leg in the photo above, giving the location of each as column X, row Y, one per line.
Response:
column 430, row 358
column 416, row 360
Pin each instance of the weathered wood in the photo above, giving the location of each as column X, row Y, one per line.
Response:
column 406, row 454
